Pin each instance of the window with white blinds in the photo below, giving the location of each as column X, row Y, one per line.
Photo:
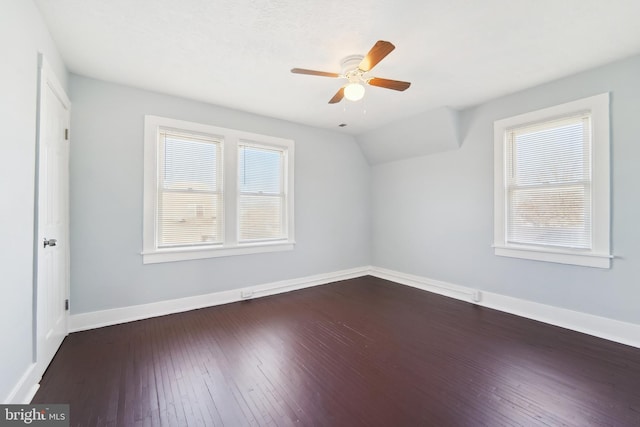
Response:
column 552, row 184
column 211, row 192
column 262, row 204
column 190, row 198
column 549, row 183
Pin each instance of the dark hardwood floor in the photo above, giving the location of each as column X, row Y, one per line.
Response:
column 358, row 352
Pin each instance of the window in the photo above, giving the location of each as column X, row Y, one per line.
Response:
column 189, row 203
column 262, row 195
column 212, row 192
column 552, row 184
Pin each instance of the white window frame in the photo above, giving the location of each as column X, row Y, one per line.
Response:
column 599, row 255
column 230, row 138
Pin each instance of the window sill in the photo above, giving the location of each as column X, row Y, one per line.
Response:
column 553, row 255
column 185, row 254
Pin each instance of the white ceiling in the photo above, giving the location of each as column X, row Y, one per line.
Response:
column 238, row 53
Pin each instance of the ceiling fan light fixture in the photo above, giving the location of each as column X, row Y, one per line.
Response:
column 354, row 91
column 355, row 69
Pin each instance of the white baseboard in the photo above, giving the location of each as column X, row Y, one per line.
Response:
column 25, row 388
column 98, row 319
column 602, row 327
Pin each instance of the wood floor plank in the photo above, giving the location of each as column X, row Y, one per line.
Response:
column 359, row 352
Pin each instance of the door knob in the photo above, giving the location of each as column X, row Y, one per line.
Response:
column 49, row 242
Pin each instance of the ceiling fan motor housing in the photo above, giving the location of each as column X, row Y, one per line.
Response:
column 350, row 68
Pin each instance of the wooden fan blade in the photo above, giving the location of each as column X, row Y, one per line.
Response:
column 376, row 54
column 338, row 96
column 314, row 73
column 389, row 84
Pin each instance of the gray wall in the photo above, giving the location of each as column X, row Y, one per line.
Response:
column 332, row 202
column 22, row 35
column 433, row 215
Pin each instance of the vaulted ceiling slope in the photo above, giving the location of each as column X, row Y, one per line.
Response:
column 238, row 53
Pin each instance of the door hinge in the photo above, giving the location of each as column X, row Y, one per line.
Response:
column 66, row 304
column 66, row 134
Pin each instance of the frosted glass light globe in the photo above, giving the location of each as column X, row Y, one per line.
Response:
column 354, row 91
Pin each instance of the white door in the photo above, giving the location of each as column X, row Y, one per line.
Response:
column 52, row 238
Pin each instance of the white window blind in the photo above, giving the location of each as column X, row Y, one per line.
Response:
column 190, row 202
column 262, row 198
column 548, row 183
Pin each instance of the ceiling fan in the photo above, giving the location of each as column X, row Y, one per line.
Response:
column 355, row 69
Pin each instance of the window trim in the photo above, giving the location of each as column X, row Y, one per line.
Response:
column 599, row 255
column 230, row 138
